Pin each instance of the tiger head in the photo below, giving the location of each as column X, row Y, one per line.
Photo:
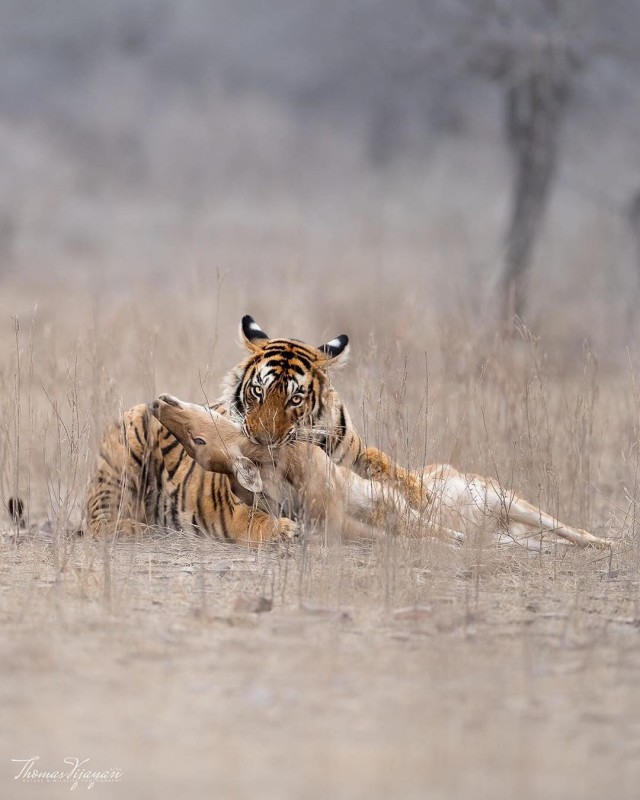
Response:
column 280, row 388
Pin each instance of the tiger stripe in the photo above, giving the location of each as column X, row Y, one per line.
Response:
column 145, row 478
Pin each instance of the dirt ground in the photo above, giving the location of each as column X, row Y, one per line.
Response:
column 398, row 669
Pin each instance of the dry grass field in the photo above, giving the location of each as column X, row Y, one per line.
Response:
column 402, row 668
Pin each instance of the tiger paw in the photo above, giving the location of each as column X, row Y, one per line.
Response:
column 289, row 529
column 416, row 494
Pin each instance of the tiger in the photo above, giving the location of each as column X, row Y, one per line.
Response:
column 282, row 392
column 144, row 478
column 279, row 394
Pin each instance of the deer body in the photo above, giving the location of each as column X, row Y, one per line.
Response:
column 298, row 478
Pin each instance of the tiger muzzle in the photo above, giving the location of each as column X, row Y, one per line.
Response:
column 268, row 426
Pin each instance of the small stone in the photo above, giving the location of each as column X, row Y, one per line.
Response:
column 252, row 603
column 339, row 615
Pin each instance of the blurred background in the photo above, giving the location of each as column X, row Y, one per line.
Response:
column 470, row 158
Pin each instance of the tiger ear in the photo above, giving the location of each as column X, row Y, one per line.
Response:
column 253, row 337
column 335, row 352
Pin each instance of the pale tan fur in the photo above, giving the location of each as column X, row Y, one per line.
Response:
column 465, row 502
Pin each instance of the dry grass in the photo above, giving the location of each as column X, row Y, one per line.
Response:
column 401, row 668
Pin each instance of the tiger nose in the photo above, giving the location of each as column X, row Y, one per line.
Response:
column 262, row 438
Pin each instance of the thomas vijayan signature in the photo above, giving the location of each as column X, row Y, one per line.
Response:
column 75, row 773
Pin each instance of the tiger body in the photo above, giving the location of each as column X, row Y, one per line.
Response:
column 145, row 478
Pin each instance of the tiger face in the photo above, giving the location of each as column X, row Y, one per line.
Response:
column 279, row 388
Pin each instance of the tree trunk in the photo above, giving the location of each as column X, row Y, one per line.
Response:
column 634, row 221
column 634, row 295
column 534, row 106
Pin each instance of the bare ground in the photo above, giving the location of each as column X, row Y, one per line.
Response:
column 485, row 673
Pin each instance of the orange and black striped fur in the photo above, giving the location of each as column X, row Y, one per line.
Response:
column 282, row 391
column 144, row 477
